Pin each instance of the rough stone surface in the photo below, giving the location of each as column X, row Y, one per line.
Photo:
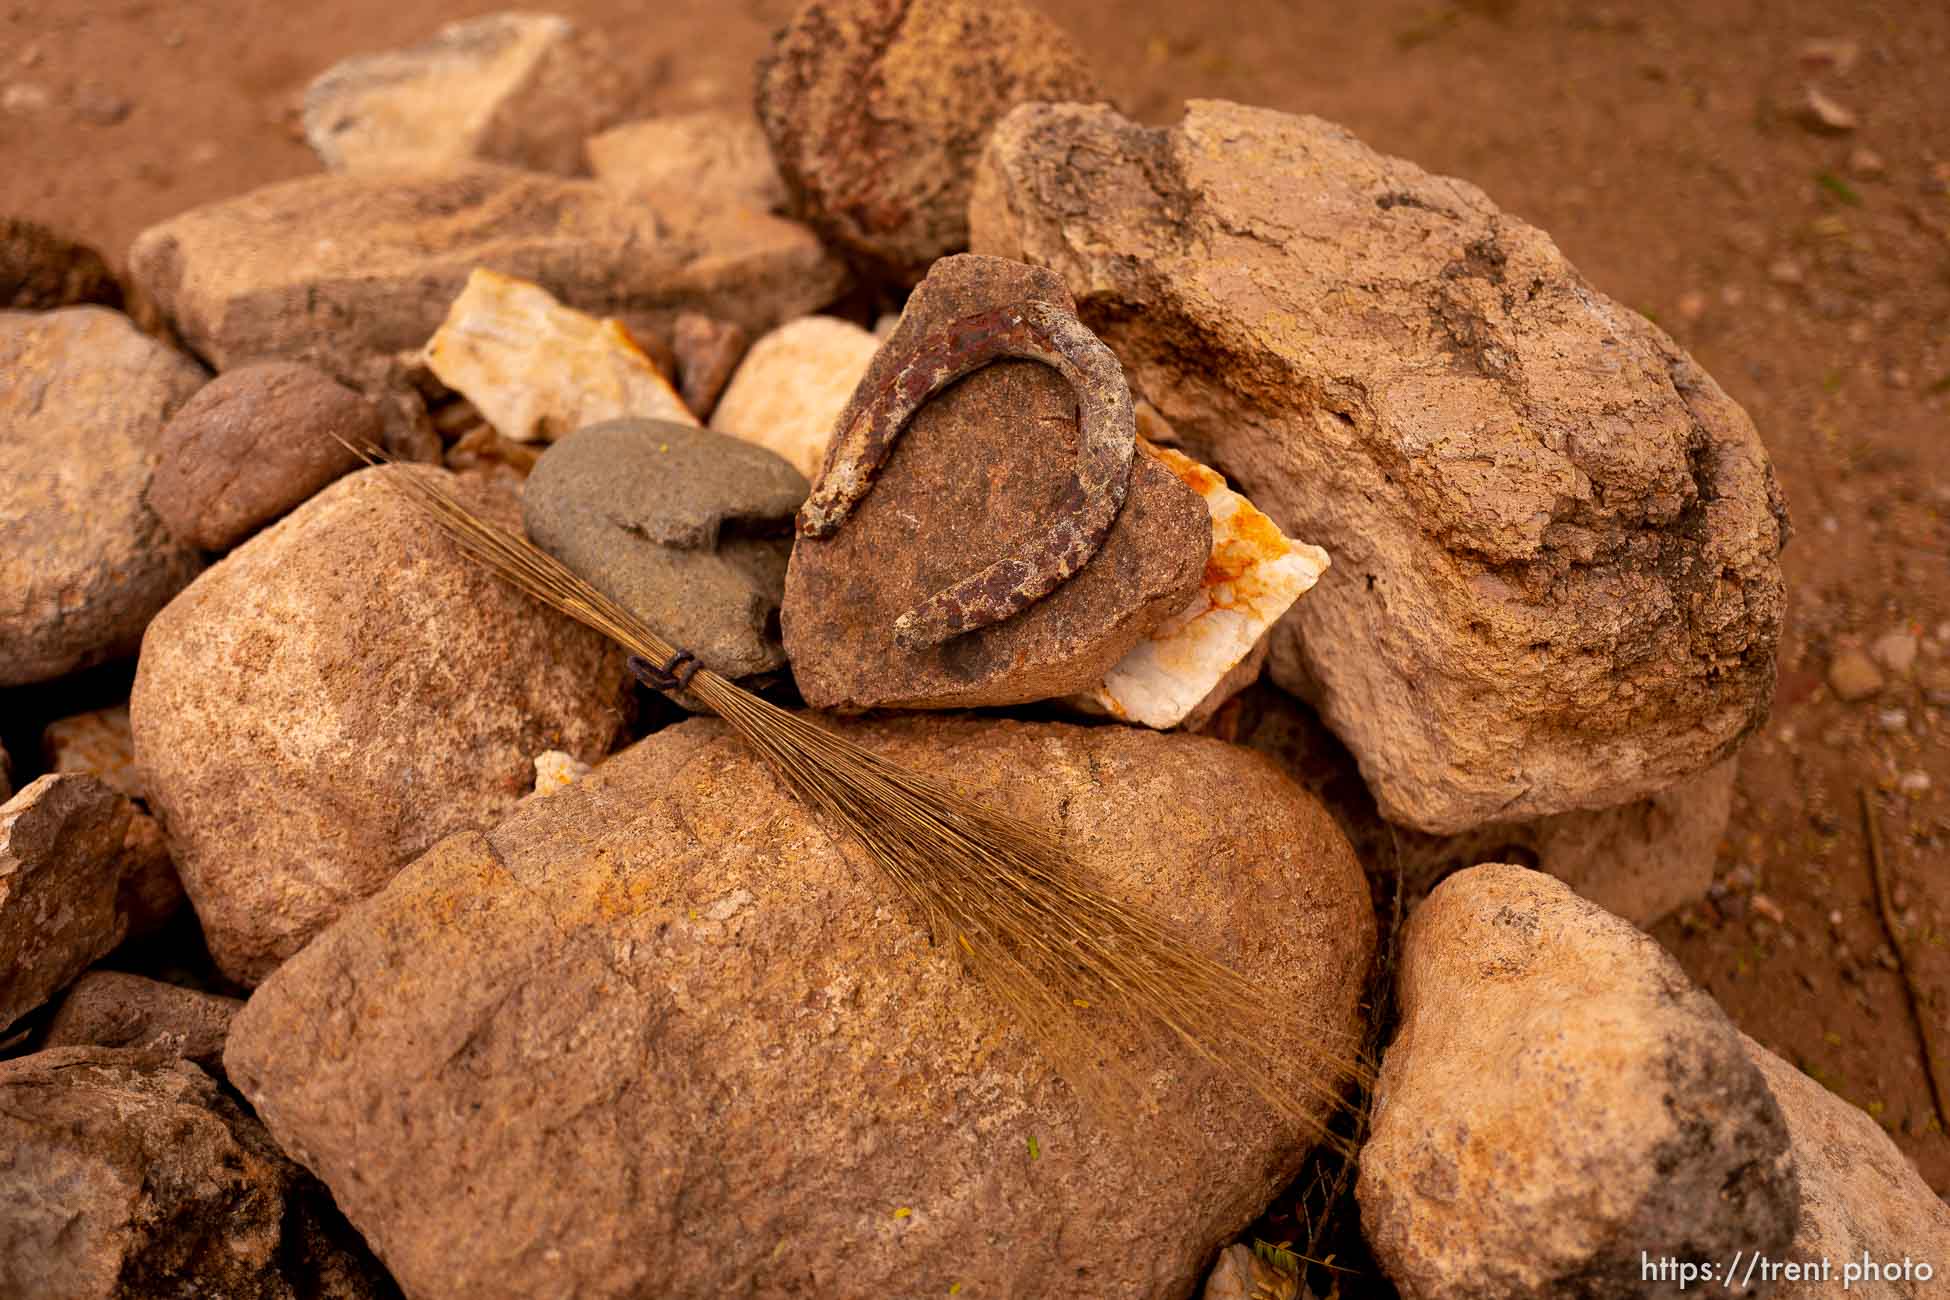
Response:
column 335, row 695
column 877, row 111
column 84, row 562
column 687, row 528
column 96, row 742
column 519, row 88
column 662, row 1033
column 1559, row 1095
column 129, row 1174
column 535, row 369
column 717, row 154
column 111, row 1009
column 792, row 385
column 1859, row 1193
column 707, row 351
column 1644, row 859
column 341, row 270
column 60, row 840
column 1554, row 538
column 1640, row 860
column 40, row 270
column 979, row 471
column 250, row 445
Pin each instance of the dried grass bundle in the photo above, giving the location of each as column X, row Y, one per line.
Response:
column 1072, row 963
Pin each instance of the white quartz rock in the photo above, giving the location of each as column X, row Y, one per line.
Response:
column 1255, row 574
column 792, row 386
column 537, row 370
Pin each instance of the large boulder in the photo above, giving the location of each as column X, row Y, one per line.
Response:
column 660, row 1034
column 1555, row 583
column 877, row 111
column 132, row 1174
column 84, row 561
column 1558, row 1102
column 341, row 270
column 979, row 472
column 340, row 692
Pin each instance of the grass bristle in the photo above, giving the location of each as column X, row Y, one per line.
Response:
column 1082, row 972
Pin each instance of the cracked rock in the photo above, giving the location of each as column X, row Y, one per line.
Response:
column 1555, row 583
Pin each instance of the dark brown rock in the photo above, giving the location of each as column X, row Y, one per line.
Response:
column 151, row 892
column 40, row 271
column 670, row 1040
column 686, row 528
column 979, row 470
column 60, row 844
column 877, row 111
column 336, row 694
column 250, row 445
column 1555, row 583
column 84, row 562
column 111, row 1009
column 707, row 351
column 127, row 1174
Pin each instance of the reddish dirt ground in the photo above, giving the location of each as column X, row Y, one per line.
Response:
column 1662, row 144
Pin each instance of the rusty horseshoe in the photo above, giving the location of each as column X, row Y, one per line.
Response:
column 1107, row 440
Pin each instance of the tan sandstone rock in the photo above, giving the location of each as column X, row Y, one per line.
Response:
column 977, row 475
column 1558, row 1101
column 335, row 695
column 519, row 88
column 718, row 154
column 1861, row 1198
column 338, row 270
column 792, row 385
column 60, row 840
column 84, row 561
column 1554, row 537
column 664, row 1036
column 878, row 109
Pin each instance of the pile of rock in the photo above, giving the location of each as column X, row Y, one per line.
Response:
column 1509, row 545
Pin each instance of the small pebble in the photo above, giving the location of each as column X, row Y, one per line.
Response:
column 1893, row 720
column 1852, row 675
column 555, row 770
column 1821, row 113
column 1784, row 271
column 1914, row 783
column 1835, row 918
column 25, row 97
column 1692, row 305
column 1896, row 651
column 1866, row 162
column 1768, row 908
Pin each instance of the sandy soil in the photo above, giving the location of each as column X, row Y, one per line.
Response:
column 1663, row 146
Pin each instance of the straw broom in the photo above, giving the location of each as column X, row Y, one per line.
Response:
column 1060, row 954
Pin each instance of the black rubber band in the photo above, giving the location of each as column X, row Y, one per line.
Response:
column 673, row 676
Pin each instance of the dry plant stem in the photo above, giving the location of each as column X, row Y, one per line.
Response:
column 1880, row 872
column 1072, row 963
